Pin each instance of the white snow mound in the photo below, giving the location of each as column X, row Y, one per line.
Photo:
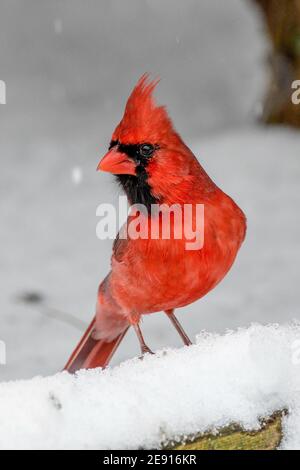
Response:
column 237, row 377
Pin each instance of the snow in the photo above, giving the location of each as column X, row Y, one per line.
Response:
column 239, row 377
column 76, row 175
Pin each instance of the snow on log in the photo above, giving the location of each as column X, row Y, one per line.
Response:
column 215, row 394
column 267, row 437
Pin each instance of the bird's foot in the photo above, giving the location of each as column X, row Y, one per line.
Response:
column 187, row 340
column 145, row 350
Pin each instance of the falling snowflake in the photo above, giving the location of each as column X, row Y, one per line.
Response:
column 76, row 175
column 58, row 26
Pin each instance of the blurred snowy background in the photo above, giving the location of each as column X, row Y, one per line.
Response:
column 69, row 67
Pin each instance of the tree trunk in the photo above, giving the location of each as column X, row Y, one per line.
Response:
column 283, row 25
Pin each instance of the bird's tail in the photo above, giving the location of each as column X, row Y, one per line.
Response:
column 91, row 353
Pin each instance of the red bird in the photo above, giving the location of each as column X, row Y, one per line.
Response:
column 154, row 166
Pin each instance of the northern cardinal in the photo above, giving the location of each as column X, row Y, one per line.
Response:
column 154, row 166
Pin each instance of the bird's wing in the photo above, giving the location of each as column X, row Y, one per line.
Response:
column 120, row 247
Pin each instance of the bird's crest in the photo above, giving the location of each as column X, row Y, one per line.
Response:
column 143, row 120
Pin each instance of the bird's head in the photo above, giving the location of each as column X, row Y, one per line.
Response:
column 146, row 154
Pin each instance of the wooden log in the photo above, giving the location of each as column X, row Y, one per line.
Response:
column 233, row 437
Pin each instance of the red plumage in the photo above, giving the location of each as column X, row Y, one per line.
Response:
column 153, row 275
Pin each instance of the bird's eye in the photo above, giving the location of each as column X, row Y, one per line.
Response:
column 146, row 150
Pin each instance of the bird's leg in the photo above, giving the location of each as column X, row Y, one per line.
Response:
column 144, row 348
column 180, row 330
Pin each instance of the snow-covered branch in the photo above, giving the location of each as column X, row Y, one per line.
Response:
column 237, row 378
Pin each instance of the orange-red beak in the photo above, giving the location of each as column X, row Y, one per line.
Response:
column 117, row 163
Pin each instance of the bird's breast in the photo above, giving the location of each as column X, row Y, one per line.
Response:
column 159, row 274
